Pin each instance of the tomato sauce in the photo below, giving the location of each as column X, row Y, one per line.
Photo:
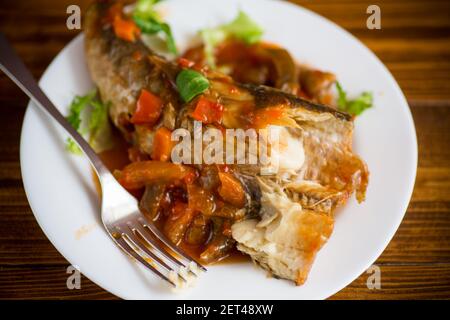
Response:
column 116, row 159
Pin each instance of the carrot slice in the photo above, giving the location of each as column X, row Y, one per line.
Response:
column 162, row 145
column 136, row 175
column 262, row 118
column 148, row 110
column 125, row 29
column 231, row 190
column 207, row 111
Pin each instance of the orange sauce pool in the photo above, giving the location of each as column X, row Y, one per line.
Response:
column 116, row 159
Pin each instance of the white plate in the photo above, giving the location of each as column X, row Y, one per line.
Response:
column 61, row 192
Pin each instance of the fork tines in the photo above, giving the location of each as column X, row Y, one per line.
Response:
column 145, row 243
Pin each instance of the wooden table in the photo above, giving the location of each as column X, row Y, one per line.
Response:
column 414, row 43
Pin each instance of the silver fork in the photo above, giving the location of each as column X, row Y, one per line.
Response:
column 121, row 216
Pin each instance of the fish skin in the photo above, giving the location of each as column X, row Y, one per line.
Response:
column 107, row 52
column 267, row 97
column 119, row 76
column 327, row 135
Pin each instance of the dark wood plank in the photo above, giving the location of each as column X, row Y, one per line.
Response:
column 415, row 49
column 397, row 282
column 402, row 282
column 414, row 40
column 37, row 282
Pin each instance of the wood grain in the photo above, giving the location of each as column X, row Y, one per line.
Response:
column 414, row 43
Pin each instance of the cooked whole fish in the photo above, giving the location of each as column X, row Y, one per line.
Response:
column 289, row 215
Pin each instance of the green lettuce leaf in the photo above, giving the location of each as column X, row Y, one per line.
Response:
column 211, row 38
column 89, row 116
column 101, row 135
column 242, row 28
column 145, row 9
column 72, row 147
column 75, row 117
column 149, row 21
column 356, row 106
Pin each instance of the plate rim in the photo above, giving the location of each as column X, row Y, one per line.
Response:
column 393, row 83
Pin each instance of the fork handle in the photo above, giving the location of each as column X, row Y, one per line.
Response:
column 14, row 68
